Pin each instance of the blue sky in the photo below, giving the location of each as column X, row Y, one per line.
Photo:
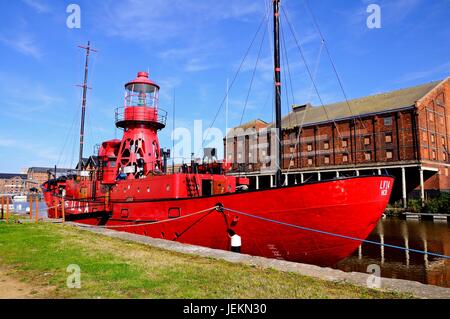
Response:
column 192, row 47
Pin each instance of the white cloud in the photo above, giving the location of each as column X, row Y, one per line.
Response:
column 441, row 71
column 39, row 6
column 38, row 98
column 162, row 19
column 23, row 43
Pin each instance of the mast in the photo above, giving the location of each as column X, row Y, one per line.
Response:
column 277, row 70
column 83, row 104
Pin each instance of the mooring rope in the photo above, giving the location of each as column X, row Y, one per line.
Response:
column 150, row 223
column 338, row 235
column 220, row 208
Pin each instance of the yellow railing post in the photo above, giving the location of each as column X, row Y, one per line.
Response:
column 7, row 209
column 31, row 207
column 37, row 208
column 63, row 207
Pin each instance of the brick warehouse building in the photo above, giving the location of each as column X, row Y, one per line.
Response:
column 36, row 176
column 404, row 133
column 12, row 184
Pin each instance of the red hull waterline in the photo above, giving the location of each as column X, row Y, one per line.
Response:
column 346, row 206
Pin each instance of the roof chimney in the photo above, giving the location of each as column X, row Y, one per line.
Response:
column 300, row 107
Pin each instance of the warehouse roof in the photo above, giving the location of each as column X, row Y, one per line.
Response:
column 12, row 175
column 46, row 169
column 377, row 103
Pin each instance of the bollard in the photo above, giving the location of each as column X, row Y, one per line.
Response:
column 3, row 204
column 7, row 209
column 37, row 208
column 31, row 207
column 63, row 207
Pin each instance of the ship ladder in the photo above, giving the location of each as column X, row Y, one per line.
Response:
column 192, row 186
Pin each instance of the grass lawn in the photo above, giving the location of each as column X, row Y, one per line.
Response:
column 38, row 255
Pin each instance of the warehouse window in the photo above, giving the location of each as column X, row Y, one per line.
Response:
column 367, row 140
column 326, row 145
column 344, row 142
column 345, row 158
column 387, row 121
column 443, row 140
column 326, row 160
column 432, row 138
column 389, row 154
column 309, row 147
column 433, row 155
column 388, row 137
column 367, row 156
column 310, row 161
column 431, row 116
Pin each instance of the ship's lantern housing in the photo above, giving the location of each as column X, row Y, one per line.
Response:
column 141, row 92
column 141, row 104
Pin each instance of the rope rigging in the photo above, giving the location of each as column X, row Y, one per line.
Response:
column 336, row 235
column 253, row 75
column 316, row 24
column 233, row 80
column 309, row 72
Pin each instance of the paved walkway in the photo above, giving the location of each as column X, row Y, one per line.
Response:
column 398, row 285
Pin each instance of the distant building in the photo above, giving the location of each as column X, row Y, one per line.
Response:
column 12, row 184
column 90, row 163
column 404, row 132
column 36, row 176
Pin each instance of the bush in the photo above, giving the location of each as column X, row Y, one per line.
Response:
column 415, row 205
column 438, row 205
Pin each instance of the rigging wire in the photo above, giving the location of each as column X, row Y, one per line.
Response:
column 93, row 135
column 233, row 81
column 219, row 208
column 271, row 49
column 316, row 23
column 253, row 75
column 310, row 73
column 335, row 234
column 285, row 62
column 68, row 134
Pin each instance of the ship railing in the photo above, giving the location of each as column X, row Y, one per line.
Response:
column 126, row 113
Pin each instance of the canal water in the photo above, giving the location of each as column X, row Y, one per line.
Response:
column 422, row 235
column 23, row 208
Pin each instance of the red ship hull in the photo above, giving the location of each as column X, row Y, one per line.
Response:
column 348, row 206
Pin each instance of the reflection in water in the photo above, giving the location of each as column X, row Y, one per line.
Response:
column 422, row 235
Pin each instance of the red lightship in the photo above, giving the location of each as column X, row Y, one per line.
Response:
column 131, row 191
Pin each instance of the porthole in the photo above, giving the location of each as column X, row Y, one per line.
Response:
column 168, row 187
column 148, row 189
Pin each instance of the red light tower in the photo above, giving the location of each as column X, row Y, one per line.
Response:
column 139, row 152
